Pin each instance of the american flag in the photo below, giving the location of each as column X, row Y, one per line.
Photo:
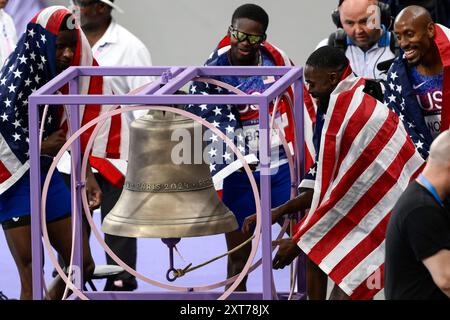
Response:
column 225, row 118
column 310, row 113
column 229, row 120
column 366, row 160
column 30, row 66
column 400, row 98
column 313, row 119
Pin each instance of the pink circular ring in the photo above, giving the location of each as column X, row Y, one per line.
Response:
column 103, row 118
column 290, row 160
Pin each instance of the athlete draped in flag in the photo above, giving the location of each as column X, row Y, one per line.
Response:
column 245, row 45
column 365, row 160
column 51, row 43
column 418, row 86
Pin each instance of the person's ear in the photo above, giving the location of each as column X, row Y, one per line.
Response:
column 265, row 37
column 334, row 78
column 431, row 30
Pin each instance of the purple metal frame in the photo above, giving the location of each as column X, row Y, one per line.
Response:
column 161, row 92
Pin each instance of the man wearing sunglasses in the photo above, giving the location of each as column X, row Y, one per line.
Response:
column 245, row 45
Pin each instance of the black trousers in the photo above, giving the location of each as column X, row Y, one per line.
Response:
column 125, row 248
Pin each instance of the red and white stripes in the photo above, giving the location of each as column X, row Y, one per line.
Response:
column 366, row 160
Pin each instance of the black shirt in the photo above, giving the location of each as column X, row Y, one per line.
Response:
column 418, row 228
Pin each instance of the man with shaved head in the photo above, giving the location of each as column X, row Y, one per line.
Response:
column 362, row 36
column 418, row 87
column 418, row 235
column 355, row 16
column 439, row 10
column 415, row 31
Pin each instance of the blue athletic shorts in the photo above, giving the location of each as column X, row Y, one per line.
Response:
column 15, row 202
column 238, row 195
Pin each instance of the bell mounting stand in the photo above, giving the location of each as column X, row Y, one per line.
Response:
column 161, row 92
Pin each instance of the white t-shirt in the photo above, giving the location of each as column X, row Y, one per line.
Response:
column 364, row 63
column 8, row 36
column 118, row 47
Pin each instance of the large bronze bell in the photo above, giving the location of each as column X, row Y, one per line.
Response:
column 163, row 199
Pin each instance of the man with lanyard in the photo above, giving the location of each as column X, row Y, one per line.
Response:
column 418, row 234
column 418, row 86
column 245, row 46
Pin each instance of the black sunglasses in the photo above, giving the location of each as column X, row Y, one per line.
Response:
column 242, row 36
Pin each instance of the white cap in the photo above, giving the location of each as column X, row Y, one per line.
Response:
column 112, row 5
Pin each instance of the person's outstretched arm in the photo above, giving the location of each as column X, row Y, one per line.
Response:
column 301, row 202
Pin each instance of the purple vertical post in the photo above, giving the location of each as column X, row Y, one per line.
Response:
column 300, row 164
column 35, row 198
column 76, row 185
column 266, row 201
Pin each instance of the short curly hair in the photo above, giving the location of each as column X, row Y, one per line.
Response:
column 253, row 12
column 328, row 58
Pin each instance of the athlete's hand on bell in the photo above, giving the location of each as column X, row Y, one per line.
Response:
column 287, row 252
column 53, row 143
column 93, row 191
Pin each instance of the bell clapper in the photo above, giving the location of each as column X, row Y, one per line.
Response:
column 172, row 273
